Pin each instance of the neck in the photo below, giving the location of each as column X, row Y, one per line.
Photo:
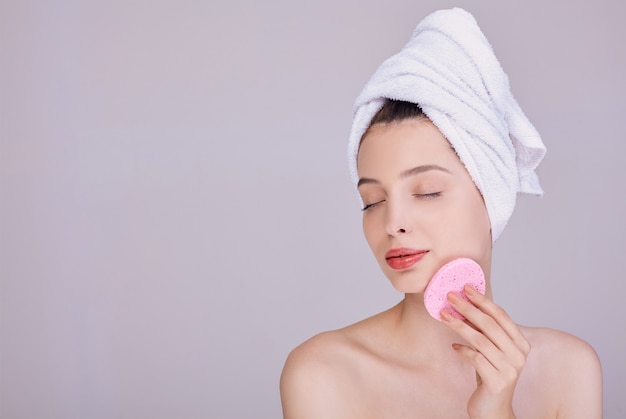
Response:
column 421, row 336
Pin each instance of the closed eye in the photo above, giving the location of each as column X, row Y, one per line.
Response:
column 427, row 195
column 372, row 205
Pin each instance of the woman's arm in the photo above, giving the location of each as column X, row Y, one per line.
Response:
column 496, row 348
column 309, row 387
column 581, row 379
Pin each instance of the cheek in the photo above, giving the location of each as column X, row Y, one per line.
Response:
column 474, row 227
column 369, row 230
column 375, row 235
column 466, row 226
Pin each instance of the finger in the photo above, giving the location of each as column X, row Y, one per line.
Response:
column 496, row 312
column 476, row 338
column 488, row 337
column 486, row 374
column 481, row 322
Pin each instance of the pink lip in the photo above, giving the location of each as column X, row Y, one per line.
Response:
column 404, row 258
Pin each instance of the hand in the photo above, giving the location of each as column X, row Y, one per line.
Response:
column 497, row 350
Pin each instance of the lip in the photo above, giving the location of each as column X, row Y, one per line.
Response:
column 403, row 257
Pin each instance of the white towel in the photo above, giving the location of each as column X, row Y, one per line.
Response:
column 449, row 69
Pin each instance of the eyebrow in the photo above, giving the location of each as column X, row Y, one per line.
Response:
column 407, row 173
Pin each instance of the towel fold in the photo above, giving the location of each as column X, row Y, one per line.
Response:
column 449, row 69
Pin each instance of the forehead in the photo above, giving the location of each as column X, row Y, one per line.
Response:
column 394, row 147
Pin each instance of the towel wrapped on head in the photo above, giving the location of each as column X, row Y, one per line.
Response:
column 449, row 69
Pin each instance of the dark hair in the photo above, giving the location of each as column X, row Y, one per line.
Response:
column 395, row 111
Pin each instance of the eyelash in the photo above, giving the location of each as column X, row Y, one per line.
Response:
column 428, row 195
column 370, row 206
column 420, row 196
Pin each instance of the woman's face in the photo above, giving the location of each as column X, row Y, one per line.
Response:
column 421, row 208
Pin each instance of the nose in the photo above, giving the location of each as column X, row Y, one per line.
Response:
column 397, row 219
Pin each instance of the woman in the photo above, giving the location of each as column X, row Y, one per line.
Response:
column 439, row 149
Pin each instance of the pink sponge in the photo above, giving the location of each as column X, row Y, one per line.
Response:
column 452, row 277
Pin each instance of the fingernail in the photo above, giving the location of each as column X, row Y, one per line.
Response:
column 454, row 298
column 469, row 290
column 445, row 316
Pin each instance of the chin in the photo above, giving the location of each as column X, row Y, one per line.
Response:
column 410, row 281
column 408, row 284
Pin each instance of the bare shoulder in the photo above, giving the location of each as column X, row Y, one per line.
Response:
column 559, row 349
column 570, row 370
column 318, row 353
column 321, row 375
column 329, row 349
column 316, row 377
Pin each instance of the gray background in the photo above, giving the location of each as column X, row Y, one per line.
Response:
column 177, row 214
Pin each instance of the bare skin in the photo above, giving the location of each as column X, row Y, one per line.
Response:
column 402, row 363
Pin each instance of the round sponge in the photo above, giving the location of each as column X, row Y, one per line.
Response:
column 452, row 277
